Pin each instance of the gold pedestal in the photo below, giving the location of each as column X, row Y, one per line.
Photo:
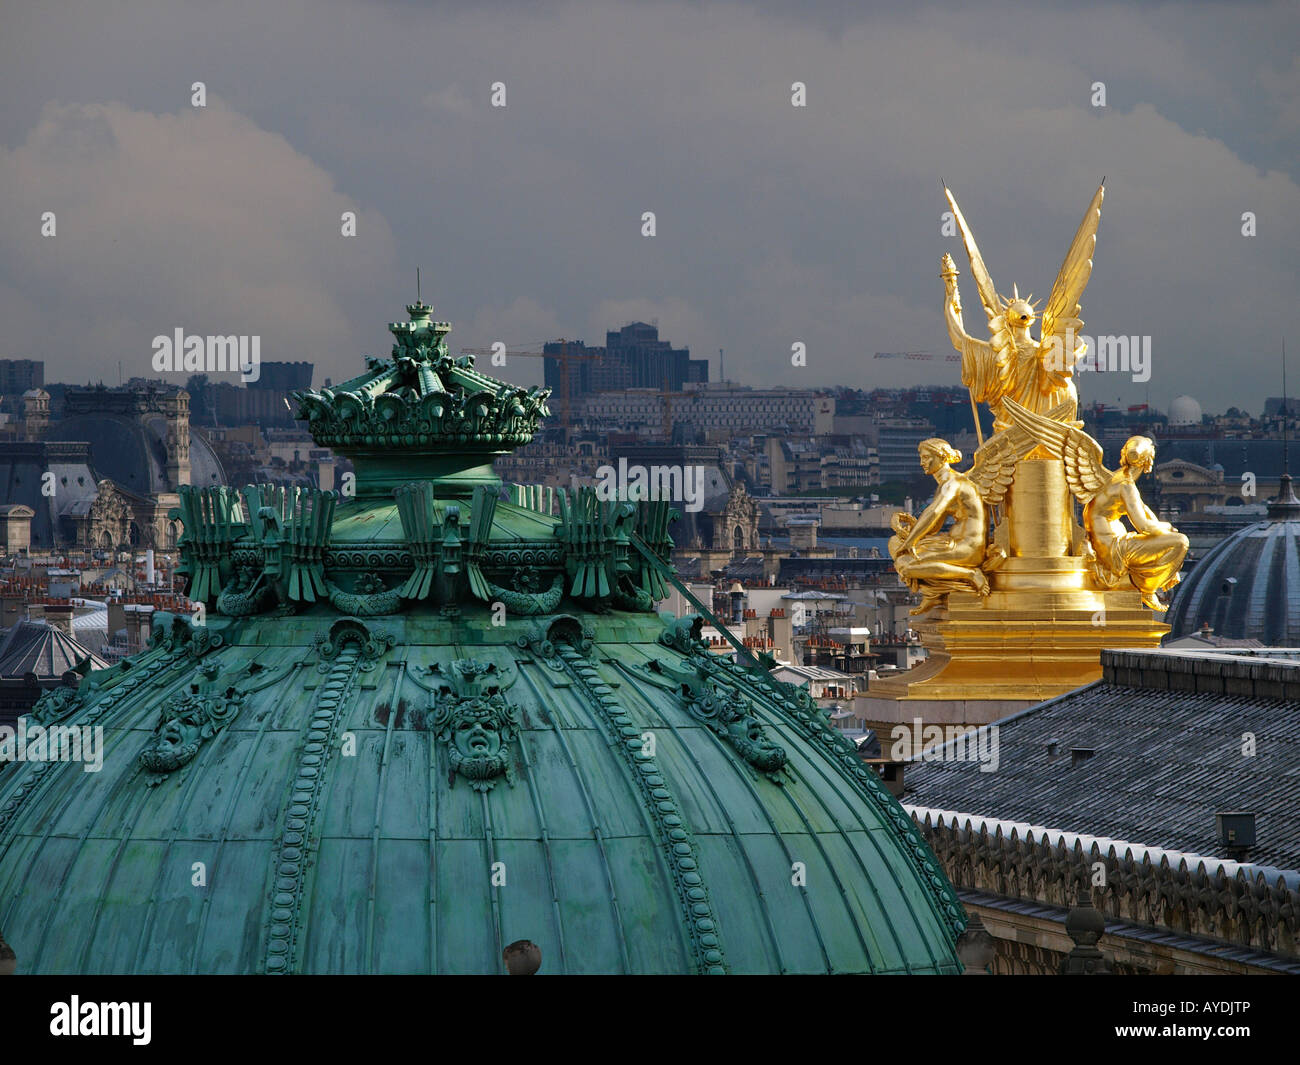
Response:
column 1037, row 635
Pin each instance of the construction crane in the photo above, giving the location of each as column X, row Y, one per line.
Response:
column 924, row 356
column 564, row 357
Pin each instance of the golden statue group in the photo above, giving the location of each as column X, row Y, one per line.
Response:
column 1015, row 547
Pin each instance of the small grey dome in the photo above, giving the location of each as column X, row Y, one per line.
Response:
column 1248, row 586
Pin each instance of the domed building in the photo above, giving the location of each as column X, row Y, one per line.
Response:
column 1183, row 412
column 140, row 437
column 140, row 442
column 417, row 725
column 1248, row 585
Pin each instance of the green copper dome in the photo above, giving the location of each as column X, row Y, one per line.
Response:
column 416, row 724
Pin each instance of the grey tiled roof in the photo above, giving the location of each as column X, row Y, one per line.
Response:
column 1167, row 729
column 40, row 648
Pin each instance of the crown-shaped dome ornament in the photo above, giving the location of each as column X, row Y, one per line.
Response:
column 422, row 413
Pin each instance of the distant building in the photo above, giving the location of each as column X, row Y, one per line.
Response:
column 1184, row 411
column 898, row 438
column 822, row 684
column 283, row 377
column 229, row 404
column 106, row 473
column 21, row 375
column 553, row 465
column 139, row 437
column 267, row 401
column 633, row 357
column 806, row 464
column 81, row 508
column 795, row 465
column 1185, row 487
column 36, row 413
column 1249, row 466
column 15, row 528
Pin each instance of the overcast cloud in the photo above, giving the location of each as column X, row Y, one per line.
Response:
column 775, row 224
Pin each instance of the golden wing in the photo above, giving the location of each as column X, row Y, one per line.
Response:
column 1063, row 306
column 1000, row 339
column 995, row 463
column 1085, row 467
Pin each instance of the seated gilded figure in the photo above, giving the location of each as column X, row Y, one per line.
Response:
column 1151, row 554
column 933, row 560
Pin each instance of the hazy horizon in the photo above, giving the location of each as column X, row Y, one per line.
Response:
column 775, row 224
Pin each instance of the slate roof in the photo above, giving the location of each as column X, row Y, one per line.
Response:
column 1264, row 458
column 745, row 569
column 40, row 648
column 132, row 453
column 1167, row 731
column 22, row 466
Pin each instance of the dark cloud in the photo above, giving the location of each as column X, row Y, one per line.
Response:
column 774, row 224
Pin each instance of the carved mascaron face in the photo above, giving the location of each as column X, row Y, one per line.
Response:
column 477, row 731
column 477, row 736
column 177, row 741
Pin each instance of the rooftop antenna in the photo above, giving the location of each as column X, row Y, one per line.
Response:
column 1286, row 467
column 417, row 285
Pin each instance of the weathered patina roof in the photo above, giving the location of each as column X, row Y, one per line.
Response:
column 414, row 725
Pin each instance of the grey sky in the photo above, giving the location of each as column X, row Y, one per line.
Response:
column 775, row 224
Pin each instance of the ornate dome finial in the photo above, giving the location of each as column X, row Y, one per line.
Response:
column 1285, row 507
column 422, row 414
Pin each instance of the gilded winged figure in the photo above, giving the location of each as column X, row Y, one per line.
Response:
column 1037, row 374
